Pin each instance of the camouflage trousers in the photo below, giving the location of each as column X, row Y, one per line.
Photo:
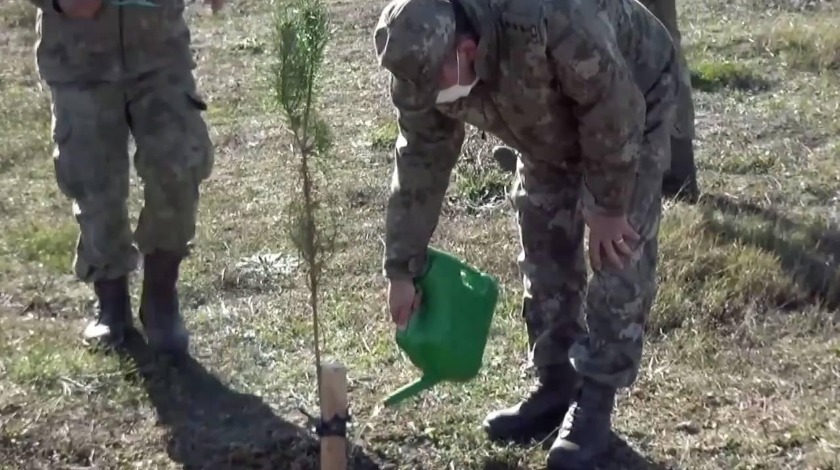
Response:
column 607, row 345
column 91, row 126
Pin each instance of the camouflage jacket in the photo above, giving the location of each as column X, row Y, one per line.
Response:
column 562, row 81
column 120, row 42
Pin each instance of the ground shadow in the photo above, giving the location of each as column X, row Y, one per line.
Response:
column 620, row 456
column 623, row 456
column 211, row 426
column 809, row 254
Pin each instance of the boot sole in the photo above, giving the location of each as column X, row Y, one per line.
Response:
column 537, row 433
column 563, row 462
column 111, row 341
column 520, row 439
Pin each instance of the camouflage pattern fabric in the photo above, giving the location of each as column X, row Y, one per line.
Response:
column 120, row 41
column 91, row 126
column 666, row 12
column 584, row 90
column 104, row 90
column 617, row 303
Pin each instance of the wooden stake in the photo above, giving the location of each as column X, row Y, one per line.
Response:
column 333, row 403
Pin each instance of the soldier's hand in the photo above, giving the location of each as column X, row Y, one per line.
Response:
column 609, row 236
column 403, row 301
column 215, row 5
column 80, row 9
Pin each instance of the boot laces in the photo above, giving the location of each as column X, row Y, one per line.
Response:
column 575, row 414
column 588, row 404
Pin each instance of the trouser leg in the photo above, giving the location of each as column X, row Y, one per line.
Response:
column 618, row 302
column 551, row 262
column 681, row 178
column 92, row 169
column 174, row 156
column 554, row 277
column 90, row 131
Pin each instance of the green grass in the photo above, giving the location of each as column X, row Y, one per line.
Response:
column 740, row 366
column 50, row 246
column 384, row 136
column 477, row 182
column 809, row 43
column 711, row 76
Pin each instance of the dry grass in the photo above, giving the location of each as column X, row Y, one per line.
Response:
column 743, row 362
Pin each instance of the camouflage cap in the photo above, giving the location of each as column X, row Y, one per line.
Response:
column 412, row 39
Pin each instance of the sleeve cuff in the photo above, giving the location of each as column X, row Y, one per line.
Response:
column 618, row 209
column 409, row 269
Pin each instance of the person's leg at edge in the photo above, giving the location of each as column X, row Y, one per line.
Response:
column 617, row 305
column 174, row 156
column 554, row 277
column 90, row 157
column 680, row 181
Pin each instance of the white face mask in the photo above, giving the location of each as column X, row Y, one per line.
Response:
column 456, row 91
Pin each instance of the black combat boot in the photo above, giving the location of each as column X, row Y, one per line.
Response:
column 680, row 182
column 113, row 315
column 584, row 436
column 540, row 413
column 506, row 158
column 159, row 307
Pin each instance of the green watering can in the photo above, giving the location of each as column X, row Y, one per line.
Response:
column 446, row 337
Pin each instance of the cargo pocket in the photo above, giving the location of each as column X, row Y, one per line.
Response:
column 64, row 164
column 201, row 156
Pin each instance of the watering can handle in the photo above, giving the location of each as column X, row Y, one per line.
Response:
column 476, row 281
column 410, row 390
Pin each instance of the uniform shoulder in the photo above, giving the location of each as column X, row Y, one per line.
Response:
column 532, row 21
column 524, row 21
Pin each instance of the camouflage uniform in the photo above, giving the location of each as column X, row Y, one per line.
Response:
column 682, row 176
column 584, row 90
column 127, row 71
column 681, row 179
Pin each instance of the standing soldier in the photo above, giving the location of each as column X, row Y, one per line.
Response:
column 681, row 179
column 114, row 69
column 585, row 92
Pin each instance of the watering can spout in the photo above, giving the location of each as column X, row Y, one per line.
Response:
column 410, row 390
